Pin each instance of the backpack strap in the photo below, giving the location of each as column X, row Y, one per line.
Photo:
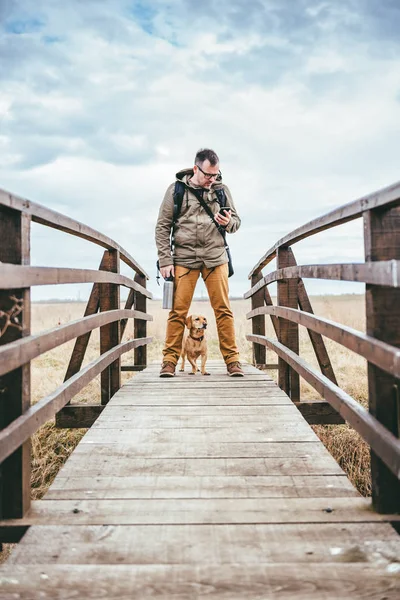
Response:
column 179, row 192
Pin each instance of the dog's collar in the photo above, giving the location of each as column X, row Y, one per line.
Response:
column 200, row 339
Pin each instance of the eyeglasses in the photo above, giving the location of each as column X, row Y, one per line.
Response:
column 209, row 175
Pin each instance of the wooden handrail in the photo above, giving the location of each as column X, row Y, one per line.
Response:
column 21, row 351
column 384, row 443
column 383, row 355
column 24, row 426
column 51, row 218
column 384, row 272
column 348, row 212
column 21, row 276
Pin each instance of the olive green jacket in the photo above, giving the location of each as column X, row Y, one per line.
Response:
column 197, row 241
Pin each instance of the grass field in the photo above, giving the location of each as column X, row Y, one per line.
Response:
column 51, row 447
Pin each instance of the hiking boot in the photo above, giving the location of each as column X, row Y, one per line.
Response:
column 167, row 369
column 235, row 369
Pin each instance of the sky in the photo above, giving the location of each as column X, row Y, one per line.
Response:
column 102, row 102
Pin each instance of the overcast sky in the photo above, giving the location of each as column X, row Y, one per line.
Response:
column 101, row 102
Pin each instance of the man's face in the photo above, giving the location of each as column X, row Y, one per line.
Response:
column 206, row 174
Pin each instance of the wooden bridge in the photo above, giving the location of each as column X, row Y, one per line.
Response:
column 195, row 486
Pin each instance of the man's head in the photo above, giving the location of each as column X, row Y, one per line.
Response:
column 206, row 168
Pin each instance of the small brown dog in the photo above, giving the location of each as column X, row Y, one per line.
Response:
column 195, row 345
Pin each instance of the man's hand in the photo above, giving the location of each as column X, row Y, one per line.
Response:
column 221, row 219
column 167, row 271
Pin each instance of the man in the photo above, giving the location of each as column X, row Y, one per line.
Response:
column 198, row 248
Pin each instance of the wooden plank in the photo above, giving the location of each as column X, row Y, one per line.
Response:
column 118, row 465
column 269, row 486
column 207, row 450
column 381, row 440
column 247, row 434
column 288, row 378
column 24, row 426
column 319, row 413
column 110, row 334
column 382, row 242
column 17, row 276
column 51, row 218
column 353, row 210
column 375, row 273
column 200, row 511
column 140, row 326
column 15, row 386
column 258, row 323
column 211, row 544
column 274, row 320
column 217, row 582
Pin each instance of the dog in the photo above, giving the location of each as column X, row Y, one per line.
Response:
column 195, row 344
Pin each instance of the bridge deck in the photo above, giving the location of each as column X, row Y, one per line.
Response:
column 202, row 486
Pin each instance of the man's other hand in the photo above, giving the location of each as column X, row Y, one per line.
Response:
column 223, row 220
column 167, row 271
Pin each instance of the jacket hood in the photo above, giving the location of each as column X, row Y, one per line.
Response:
column 185, row 174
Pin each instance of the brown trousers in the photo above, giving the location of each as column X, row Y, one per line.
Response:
column 216, row 280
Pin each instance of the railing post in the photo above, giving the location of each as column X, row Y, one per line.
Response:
column 139, row 326
column 288, row 379
column 15, row 387
column 110, row 335
column 382, row 242
column 258, row 323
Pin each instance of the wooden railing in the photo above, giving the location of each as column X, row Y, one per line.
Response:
column 18, row 418
column 380, row 346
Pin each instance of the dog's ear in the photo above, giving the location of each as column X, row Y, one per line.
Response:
column 188, row 322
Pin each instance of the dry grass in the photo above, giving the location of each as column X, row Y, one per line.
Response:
column 51, row 447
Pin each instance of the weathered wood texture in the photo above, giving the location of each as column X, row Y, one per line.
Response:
column 382, row 241
column 379, row 273
column 197, row 487
column 15, row 324
column 13, row 276
column 110, row 334
column 386, row 197
column 140, row 326
column 258, row 324
column 12, row 436
column 288, row 378
column 380, row 438
column 51, row 218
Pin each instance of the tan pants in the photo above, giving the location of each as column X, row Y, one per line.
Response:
column 216, row 280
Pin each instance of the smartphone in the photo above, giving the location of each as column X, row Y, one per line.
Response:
column 222, row 211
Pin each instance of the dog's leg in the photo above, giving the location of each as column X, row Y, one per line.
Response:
column 203, row 364
column 182, row 361
column 193, row 363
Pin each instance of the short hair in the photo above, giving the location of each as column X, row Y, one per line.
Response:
column 206, row 154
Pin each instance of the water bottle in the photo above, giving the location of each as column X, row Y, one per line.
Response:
column 168, row 293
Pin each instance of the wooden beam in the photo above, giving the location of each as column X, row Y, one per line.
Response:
column 51, row 218
column 15, row 386
column 12, row 436
column 387, row 196
column 382, row 242
column 379, row 353
column 110, row 335
column 258, row 324
column 16, row 276
column 385, row 272
column 384, row 443
column 288, row 378
column 140, row 326
column 274, row 320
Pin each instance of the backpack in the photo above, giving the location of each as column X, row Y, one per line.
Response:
column 179, row 193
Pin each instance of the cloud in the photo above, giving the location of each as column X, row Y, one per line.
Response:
column 102, row 102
